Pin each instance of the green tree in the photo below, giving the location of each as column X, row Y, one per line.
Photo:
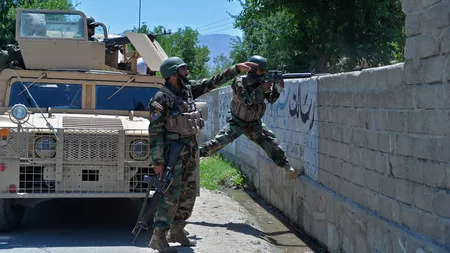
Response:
column 184, row 44
column 8, row 14
column 322, row 35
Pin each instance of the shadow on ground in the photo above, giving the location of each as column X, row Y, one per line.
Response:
column 78, row 223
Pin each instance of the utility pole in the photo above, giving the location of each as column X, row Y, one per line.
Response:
column 139, row 29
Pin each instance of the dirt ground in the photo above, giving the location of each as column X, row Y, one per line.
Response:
column 221, row 224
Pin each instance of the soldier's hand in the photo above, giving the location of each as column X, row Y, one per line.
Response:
column 282, row 83
column 159, row 169
column 245, row 66
column 266, row 86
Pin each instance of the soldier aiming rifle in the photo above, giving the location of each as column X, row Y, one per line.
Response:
column 248, row 106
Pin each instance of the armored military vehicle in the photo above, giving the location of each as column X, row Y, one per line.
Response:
column 72, row 124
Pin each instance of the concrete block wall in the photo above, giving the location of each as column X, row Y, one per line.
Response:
column 375, row 145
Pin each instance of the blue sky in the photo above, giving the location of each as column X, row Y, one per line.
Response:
column 207, row 16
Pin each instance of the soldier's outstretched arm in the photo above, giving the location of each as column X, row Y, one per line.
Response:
column 206, row 85
column 158, row 108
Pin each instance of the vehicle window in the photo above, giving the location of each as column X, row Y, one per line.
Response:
column 52, row 25
column 47, row 95
column 128, row 98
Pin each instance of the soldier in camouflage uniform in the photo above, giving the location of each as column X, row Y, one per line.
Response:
column 174, row 117
column 245, row 117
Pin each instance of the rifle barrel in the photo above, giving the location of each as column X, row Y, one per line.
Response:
column 296, row 75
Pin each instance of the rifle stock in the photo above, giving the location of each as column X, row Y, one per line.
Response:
column 147, row 214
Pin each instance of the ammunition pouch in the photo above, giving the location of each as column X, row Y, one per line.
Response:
column 245, row 112
column 186, row 124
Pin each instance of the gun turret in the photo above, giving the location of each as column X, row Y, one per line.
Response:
column 110, row 42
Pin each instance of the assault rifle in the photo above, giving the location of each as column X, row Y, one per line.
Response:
column 110, row 42
column 145, row 219
column 274, row 76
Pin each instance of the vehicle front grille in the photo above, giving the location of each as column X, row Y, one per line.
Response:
column 87, row 163
column 91, row 146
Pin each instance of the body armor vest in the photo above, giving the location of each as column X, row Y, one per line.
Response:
column 186, row 119
column 245, row 112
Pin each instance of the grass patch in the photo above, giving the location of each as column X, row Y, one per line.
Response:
column 216, row 172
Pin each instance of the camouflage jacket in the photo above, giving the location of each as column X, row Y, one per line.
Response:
column 254, row 94
column 160, row 108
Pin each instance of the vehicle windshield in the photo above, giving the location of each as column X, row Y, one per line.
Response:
column 52, row 25
column 47, row 95
column 128, row 98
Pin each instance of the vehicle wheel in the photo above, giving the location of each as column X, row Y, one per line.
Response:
column 11, row 214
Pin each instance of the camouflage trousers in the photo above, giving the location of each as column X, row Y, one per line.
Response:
column 178, row 202
column 255, row 131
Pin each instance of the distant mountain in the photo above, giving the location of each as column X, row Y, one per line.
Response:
column 217, row 44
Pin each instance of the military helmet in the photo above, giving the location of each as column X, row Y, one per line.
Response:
column 89, row 21
column 170, row 66
column 261, row 61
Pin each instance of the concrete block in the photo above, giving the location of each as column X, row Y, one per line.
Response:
column 445, row 40
column 373, row 180
column 433, row 68
column 411, row 217
column 337, row 133
column 428, row 122
column 404, row 144
column 338, row 167
column 384, row 142
column 372, row 140
column 405, row 98
column 334, row 182
column 442, row 204
column 347, row 135
column 437, row 16
column 397, row 166
column 359, row 176
column 360, row 137
column 441, row 147
column 387, row 100
column 413, row 24
column 437, row 174
column 426, row 97
column 359, row 100
column 424, row 197
column 373, row 100
column 396, row 211
column 423, row 45
column 333, row 241
column 404, row 191
column 324, row 178
column 447, row 68
column 409, row 6
column 388, row 186
column 434, row 227
column 390, row 120
column 348, row 244
column 347, row 171
column 385, row 207
column 414, row 170
column 413, row 72
column 346, row 99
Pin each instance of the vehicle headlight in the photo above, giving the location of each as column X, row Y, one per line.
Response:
column 19, row 112
column 139, row 150
column 45, row 147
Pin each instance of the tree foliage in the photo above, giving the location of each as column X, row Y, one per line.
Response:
column 184, row 44
column 8, row 14
column 325, row 35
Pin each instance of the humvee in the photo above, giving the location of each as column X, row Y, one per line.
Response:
column 72, row 124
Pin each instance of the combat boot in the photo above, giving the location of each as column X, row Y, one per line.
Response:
column 178, row 234
column 159, row 242
column 291, row 173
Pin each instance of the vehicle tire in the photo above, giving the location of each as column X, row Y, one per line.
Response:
column 11, row 215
